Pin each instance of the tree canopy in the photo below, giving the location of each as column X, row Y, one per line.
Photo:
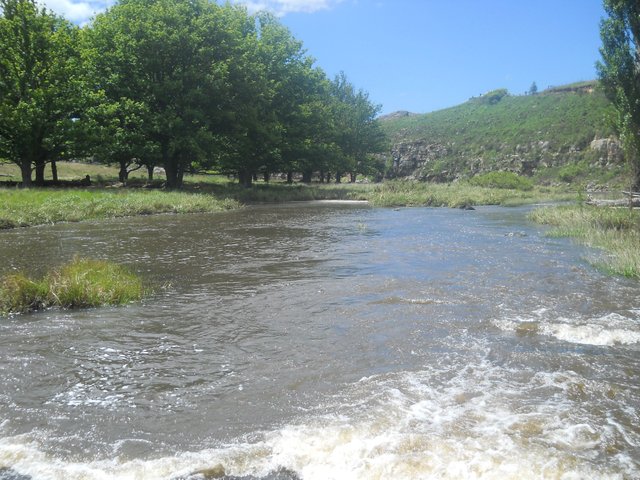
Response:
column 41, row 87
column 619, row 72
column 188, row 86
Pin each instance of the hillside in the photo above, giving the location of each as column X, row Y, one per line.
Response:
column 562, row 133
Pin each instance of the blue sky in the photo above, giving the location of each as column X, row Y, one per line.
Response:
column 425, row 55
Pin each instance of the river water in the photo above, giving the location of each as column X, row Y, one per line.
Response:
column 325, row 341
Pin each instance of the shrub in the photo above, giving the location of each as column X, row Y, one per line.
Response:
column 508, row 180
column 494, row 96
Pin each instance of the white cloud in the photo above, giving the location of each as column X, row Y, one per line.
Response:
column 282, row 7
column 80, row 11
column 77, row 11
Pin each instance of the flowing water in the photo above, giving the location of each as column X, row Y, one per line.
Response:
column 325, row 342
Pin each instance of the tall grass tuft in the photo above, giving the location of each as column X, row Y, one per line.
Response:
column 91, row 283
column 614, row 230
column 79, row 284
column 20, row 294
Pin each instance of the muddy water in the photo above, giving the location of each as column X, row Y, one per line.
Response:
column 325, row 341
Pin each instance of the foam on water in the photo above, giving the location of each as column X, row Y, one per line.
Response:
column 474, row 422
column 606, row 330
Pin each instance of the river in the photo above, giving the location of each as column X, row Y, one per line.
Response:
column 325, row 341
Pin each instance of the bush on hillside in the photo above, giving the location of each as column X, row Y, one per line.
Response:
column 508, row 180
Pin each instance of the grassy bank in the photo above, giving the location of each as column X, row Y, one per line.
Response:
column 41, row 206
column 27, row 207
column 614, row 230
column 455, row 195
column 79, row 284
column 212, row 193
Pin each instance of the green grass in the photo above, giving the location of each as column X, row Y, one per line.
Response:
column 81, row 283
column 548, row 130
column 508, row 180
column 460, row 194
column 614, row 230
column 564, row 119
column 26, row 207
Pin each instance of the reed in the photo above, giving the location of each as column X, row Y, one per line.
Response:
column 81, row 283
column 615, row 231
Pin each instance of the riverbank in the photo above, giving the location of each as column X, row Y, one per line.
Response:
column 29, row 207
column 459, row 195
column 616, row 231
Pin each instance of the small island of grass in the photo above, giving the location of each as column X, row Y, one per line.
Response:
column 81, row 283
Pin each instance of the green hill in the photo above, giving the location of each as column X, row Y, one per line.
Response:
column 560, row 134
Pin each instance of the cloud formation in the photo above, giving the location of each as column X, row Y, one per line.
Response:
column 282, row 7
column 80, row 11
column 77, row 11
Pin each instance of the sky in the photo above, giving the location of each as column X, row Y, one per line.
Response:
column 426, row 55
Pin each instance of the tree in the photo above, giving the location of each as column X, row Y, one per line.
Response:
column 171, row 58
column 360, row 135
column 116, row 132
column 250, row 128
column 41, row 87
column 619, row 73
column 300, row 102
column 533, row 89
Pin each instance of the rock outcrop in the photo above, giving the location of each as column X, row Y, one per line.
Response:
column 423, row 160
column 609, row 151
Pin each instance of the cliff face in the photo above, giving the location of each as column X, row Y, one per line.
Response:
column 525, row 134
column 422, row 160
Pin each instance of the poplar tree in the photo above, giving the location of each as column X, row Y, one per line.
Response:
column 619, row 72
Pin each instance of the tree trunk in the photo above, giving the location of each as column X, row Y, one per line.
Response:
column 171, row 166
column 353, row 177
column 289, row 177
column 338, row 177
column 306, row 176
column 123, row 174
column 328, row 177
column 40, row 173
column 245, row 178
column 266, row 176
column 321, row 176
column 54, row 171
column 150, row 172
column 180, row 176
column 25, row 170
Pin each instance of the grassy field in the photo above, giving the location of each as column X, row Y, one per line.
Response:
column 81, row 283
column 614, row 230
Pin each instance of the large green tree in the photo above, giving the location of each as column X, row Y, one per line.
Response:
column 41, row 88
column 172, row 58
column 360, row 136
column 619, row 72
